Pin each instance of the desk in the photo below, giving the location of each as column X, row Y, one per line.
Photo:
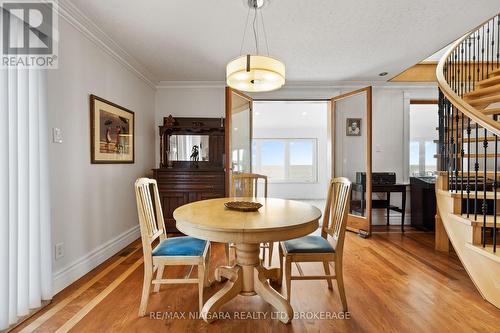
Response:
column 276, row 220
column 385, row 203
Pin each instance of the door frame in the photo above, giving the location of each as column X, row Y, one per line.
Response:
column 227, row 132
column 354, row 221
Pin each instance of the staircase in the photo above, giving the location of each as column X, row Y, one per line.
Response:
column 467, row 190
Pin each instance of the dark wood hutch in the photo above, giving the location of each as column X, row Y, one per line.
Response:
column 191, row 163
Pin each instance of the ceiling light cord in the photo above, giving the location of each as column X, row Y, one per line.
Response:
column 245, row 31
column 264, row 30
column 255, row 32
column 255, row 28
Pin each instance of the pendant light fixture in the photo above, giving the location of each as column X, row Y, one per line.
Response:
column 255, row 73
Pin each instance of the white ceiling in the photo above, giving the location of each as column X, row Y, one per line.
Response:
column 319, row 40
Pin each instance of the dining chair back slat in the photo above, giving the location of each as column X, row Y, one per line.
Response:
column 150, row 214
column 247, row 185
column 337, row 203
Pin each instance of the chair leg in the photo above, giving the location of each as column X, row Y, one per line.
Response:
column 263, row 260
column 146, row 287
column 159, row 275
column 327, row 272
column 340, row 283
column 207, row 266
column 201, row 285
column 288, row 278
column 271, row 248
column 280, row 276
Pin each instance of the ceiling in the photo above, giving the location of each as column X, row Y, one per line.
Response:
column 319, row 40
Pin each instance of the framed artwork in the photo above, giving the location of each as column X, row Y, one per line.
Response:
column 112, row 136
column 353, row 127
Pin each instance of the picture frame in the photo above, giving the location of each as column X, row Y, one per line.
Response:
column 353, row 127
column 112, row 132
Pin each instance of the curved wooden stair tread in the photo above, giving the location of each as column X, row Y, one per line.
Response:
column 473, row 155
column 473, row 139
column 486, row 112
column 485, row 251
column 495, row 72
column 490, row 195
column 476, row 222
column 482, row 102
column 491, row 111
column 489, row 81
column 493, row 89
column 472, row 173
column 479, row 139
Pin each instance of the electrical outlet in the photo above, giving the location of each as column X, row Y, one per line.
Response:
column 57, row 136
column 59, row 251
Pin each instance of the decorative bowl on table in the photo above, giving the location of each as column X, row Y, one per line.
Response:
column 243, row 206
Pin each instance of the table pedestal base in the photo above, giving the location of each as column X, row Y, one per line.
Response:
column 247, row 277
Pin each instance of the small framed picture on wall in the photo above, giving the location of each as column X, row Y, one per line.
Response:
column 353, row 127
column 112, row 136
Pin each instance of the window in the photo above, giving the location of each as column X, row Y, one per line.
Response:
column 423, row 136
column 286, row 160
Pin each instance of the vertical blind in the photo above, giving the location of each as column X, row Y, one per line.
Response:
column 25, row 245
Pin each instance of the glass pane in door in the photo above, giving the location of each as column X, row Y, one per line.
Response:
column 350, row 147
column 241, row 129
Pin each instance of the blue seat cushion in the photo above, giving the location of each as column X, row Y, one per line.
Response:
column 308, row 244
column 180, row 246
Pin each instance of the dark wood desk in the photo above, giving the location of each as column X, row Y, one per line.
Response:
column 385, row 203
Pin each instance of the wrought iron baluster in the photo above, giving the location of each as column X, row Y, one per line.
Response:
column 495, row 187
column 468, row 168
column 461, row 91
column 452, row 124
column 492, row 62
column 448, row 142
column 498, row 41
column 488, row 49
column 482, row 54
column 476, row 170
column 468, row 88
column 485, row 168
column 474, row 63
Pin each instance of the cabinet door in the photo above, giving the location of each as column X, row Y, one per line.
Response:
column 210, row 195
column 170, row 201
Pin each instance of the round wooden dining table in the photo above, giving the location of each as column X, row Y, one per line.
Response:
column 276, row 220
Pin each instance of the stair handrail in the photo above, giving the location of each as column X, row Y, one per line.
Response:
column 464, row 107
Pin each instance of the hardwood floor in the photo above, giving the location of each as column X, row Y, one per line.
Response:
column 394, row 283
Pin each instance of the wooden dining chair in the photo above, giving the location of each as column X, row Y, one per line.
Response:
column 247, row 185
column 327, row 248
column 169, row 251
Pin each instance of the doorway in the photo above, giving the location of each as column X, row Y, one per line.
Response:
column 290, row 146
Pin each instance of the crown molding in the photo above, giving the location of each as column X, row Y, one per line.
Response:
column 301, row 84
column 74, row 16
column 190, row 84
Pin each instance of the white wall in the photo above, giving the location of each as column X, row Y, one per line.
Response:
column 93, row 206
